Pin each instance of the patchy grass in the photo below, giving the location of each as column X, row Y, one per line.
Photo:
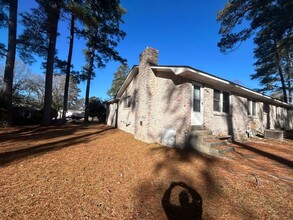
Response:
column 95, row 172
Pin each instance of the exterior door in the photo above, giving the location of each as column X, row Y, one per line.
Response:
column 197, row 105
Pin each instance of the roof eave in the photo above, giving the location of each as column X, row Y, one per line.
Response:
column 206, row 78
column 133, row 72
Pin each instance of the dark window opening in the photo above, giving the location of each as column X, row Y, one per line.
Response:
column 226, row 102
column 127, row 102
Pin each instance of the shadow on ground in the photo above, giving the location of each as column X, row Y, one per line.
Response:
column 51, row 135
column 40, row 133
column 263, row 153
column 194, row 169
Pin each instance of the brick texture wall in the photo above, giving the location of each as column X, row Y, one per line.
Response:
column 159, row 101
column 162, row 101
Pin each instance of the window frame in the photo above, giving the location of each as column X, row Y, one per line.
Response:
column 217, row 100
column 221, row 101
column 127, row 102
column 196, row 100
column 251, row 107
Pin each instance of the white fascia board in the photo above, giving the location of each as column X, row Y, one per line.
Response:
column 161, row 68
column 209, row 76
column 179, row 70
column 127, row 81
column 263, row 96
column 186, row 72
column 112, row 101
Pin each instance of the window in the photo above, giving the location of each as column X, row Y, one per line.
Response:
column 266, row 108
column 196, row 99
column 226, row 102
column 217, row 100
column 251, row 107
column 221, row 101
column 127, row 102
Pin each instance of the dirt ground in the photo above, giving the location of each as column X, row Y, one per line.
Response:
column 95, row 172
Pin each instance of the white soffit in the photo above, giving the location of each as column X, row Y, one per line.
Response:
column 202, row 77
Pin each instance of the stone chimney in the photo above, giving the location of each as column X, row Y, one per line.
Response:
column 149, row 56
column 145, row 97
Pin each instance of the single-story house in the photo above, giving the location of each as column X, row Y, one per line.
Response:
column 166, row 103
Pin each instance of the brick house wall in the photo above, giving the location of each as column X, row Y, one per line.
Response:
column 126, row 115
column 158, row 102
column 111, row 114
column 161, row 103
column 171, row 108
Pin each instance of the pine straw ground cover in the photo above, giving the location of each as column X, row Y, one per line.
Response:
column 95, row 172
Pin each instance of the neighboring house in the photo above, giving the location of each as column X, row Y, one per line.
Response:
column 164, row 104
column 75, row 114
column 26, row 115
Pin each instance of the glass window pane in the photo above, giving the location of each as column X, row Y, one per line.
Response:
column 124, row 103
column 196, row 93
column 196, row 105
column 225, row 96
column 226, row 102
column 216, row 106
column 127, row 102
column 249, row 107
column 196, row 99
column 217, row 98
column 226, row 107
column 217, row 95
column 253, row 108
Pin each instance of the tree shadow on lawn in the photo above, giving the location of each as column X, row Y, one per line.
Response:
column 288, row 134
column 274, row 157
column 40, row 133
column 196, row 170
column 37, row 150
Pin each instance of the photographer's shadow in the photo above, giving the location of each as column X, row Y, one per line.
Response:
column 187, row 209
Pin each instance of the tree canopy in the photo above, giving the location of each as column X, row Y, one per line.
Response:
column 3, row 23
column 102, row 33
column 29, row 88
column 270, row 23
column 97, row 108
column 119, row 77
column 99, row 25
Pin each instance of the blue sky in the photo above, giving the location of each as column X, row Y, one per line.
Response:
column 185, row 32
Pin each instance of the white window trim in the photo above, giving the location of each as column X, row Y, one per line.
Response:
column 124, row 102
column 221, row 112
column 249, row 105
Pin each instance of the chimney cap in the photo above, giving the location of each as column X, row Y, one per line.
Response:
column 149, row 55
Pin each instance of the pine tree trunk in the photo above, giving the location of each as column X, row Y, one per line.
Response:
column 281, row 74
column 88, row 83
column 53, row 17
column 290, row 77
column 290, row 90
column 10, row 59
column 66, row 87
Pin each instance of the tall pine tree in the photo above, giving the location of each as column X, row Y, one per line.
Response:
column 101, row 17
column 39, row 36
column 103, row 34
column 10, row 56
column 68, row 66
column 119, row 77
column 270, row 22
